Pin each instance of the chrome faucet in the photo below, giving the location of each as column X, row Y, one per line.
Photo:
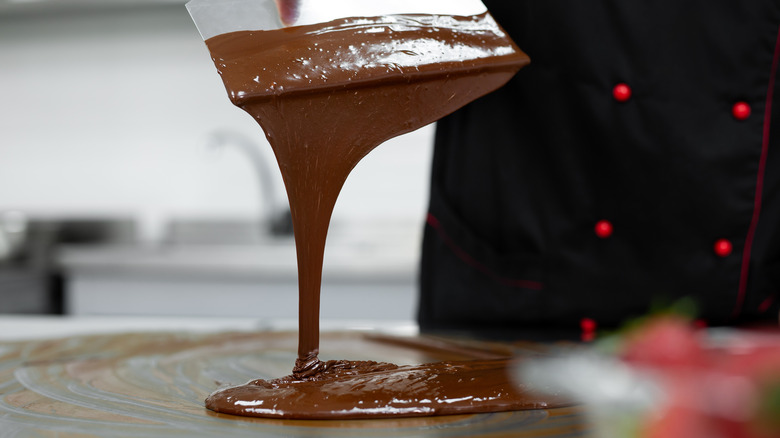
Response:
column 278, row 218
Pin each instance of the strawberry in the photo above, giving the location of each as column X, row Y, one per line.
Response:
column 664, row 342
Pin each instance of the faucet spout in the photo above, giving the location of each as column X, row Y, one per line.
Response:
column 278, row 220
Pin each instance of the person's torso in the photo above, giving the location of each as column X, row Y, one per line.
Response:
column 559, row 197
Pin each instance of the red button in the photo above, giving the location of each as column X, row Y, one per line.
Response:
column 603, row 229
column 621, row 92
column 740, row 110
column 588, row 325
column 723, row 247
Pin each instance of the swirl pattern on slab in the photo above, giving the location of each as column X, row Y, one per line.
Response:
column 154, row 384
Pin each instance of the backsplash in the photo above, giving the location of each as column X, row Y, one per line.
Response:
column 112, row 112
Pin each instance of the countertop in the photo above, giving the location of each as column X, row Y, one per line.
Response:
column 224, row 269
column 146, row 377
column 378, row 251
column 36, row 327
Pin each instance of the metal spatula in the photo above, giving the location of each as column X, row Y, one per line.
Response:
column 215, row 17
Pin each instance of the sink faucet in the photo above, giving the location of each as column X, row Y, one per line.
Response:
column 278, row 218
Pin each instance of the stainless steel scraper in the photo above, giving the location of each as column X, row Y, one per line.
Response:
column 215, row 17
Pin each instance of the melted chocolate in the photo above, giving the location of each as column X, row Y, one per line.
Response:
column 368, row 389
column 326, row 95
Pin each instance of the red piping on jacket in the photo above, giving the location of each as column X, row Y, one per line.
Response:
column 766, row 304
column 743, row 277
column 469, row 260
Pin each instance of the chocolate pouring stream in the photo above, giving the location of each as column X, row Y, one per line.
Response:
column 326, row 95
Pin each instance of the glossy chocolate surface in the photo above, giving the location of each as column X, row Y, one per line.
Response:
column 369, row 389
column 326, row 95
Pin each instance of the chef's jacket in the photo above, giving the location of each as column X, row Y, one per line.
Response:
column 634, row 162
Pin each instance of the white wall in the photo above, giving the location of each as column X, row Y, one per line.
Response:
column 108, row 113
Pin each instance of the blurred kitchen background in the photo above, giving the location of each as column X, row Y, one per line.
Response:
column 129, row 185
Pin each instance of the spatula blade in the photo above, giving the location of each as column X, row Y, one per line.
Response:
column 215, row 17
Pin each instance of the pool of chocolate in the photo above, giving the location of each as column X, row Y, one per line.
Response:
column 360, row 389
column 326, row 95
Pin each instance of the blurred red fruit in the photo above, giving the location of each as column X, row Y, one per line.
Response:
column 665, row 342
column 679, row 422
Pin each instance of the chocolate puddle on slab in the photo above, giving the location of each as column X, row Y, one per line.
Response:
column 326, row 95
column 355, row 389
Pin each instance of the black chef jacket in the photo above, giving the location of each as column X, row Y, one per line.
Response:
column 636, row 160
